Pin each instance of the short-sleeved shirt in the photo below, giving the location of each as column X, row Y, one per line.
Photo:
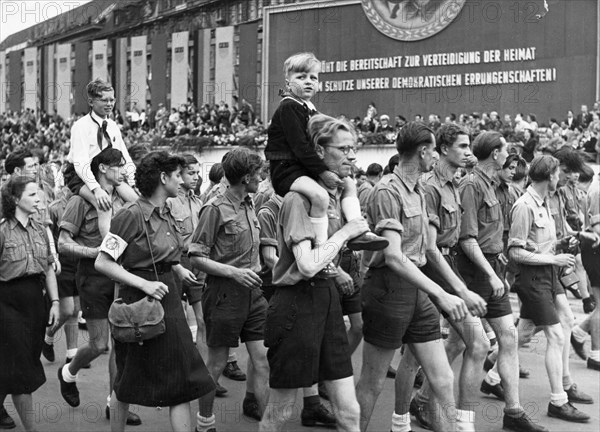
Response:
column 55, row 211
column 397, row 204
column 80, row 219
column 294, row 227
column 443, row 205
column 363, row 192
column 185, row 208
column 573, row 199
column 268, row 216
column 593, row 203
column 533, row 225
column 127, row 244
column 228, row 232
column 557, row 210
column 506, row 199
column 24, row 250
column 482, row 217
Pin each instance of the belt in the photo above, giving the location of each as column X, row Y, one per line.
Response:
column 161, row 267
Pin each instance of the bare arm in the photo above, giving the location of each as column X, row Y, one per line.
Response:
column 72, row 249
column 269, row 255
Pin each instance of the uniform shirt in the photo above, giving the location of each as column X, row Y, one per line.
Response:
column 397, row 203
column 573, row 198
column 506, row 200
column 185, row 208
column 482, row 216
column 80, row 219
column 363, row 195
column 55, row 211
column 593, row 202
column 263, row 194
column 443, row 205
column 84, row 146
column 294, row 227
column 268, row 217
column 533, row 225
column 24, row 250
column 557, row 210
column 127, row 243
column 228, row 232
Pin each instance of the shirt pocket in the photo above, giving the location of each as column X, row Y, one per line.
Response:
column 14, row 252
column 232, row 236
column 449, row 216
column 490, row 211
column 411, row 221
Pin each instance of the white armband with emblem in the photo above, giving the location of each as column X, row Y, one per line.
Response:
column 113, row 245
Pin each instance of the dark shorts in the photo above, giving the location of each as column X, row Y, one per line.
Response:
column 67, row 285
column 232, row 312
column 478, row 282
column 268, row 291
column 191, row 294
column 351, row 303
column 72, row 180
column 285, row 172
column 306, row 336
column 396, row 312
column 96, row 291
column 429, row 271
column 538, row 291
column 590, row 258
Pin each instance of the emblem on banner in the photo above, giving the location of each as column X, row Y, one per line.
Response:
column 411, row 20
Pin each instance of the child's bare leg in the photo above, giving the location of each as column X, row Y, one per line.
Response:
column 127, row 193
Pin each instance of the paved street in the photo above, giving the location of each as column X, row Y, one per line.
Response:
column 53, row 414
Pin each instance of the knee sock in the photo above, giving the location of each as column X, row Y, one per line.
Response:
column 71, row 353
column 203, row 424
column 351, row 208
column 465, row 421
column 595, row 355
column 559, row 399
column 67, row 375
column 492, row 376
column 311, row 401
column 49, row 339
column 320, row 226
column 401, row 422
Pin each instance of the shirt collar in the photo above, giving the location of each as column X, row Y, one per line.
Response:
column 489, row 180
column 443, row 172
column 148, row 208
column 13, row 222
column 235, row 202
column 96, row 117
column 538, row 199
column 409, row 180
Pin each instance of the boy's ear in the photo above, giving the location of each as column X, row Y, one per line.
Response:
column 163, row 177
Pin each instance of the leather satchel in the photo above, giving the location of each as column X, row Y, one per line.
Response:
column 138, row 321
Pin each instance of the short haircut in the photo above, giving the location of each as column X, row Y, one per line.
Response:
column 12, row 192
column 521, row 171
column 189, row 159
column 300, row 62
column 542, row 167
column 570, row 158
column 360, row 172
column 147, row 175
column 95, row 88
column 16, row 160
column 216, row 173
column 137, row 152
column 586, row 174
column 485, row 143
column 322, row 129
column 413, row 136
column 374, row 170
column 447, row 135
column 241, row 162
column 393, row 162
column 109, row 156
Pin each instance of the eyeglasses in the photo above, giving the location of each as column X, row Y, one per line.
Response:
column 346, row 149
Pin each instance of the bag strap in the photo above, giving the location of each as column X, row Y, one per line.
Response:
column 149, row 244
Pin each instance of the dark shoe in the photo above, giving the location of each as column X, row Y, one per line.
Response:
column 593, row 364
column 418, row 411
column 132, row 419
column 589, row 304
column 419, row 378
column 233, row 372
column 82, row 323
column 319, row 414
column 250, row 409
column 220, row 391
column 575, row 292
column 369, row 242
column 487, row 364
column 6, row 421
column 523, row 373
column 496, row 390
column 69, row 391
column 323, row 391
column 578, row 396
column 70, row 359
column 521, row 424
column 578, row 347
column 567, row 412
column 391, row 372
column 328, row 272
column 48, row 352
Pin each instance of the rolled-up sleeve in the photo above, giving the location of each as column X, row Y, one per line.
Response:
column 469, row 227
column 268, row 228
column 387, row 212
column 206, row 232
column 295, row 221
column 432, row 202
column 594, row 204
column 521, row 226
